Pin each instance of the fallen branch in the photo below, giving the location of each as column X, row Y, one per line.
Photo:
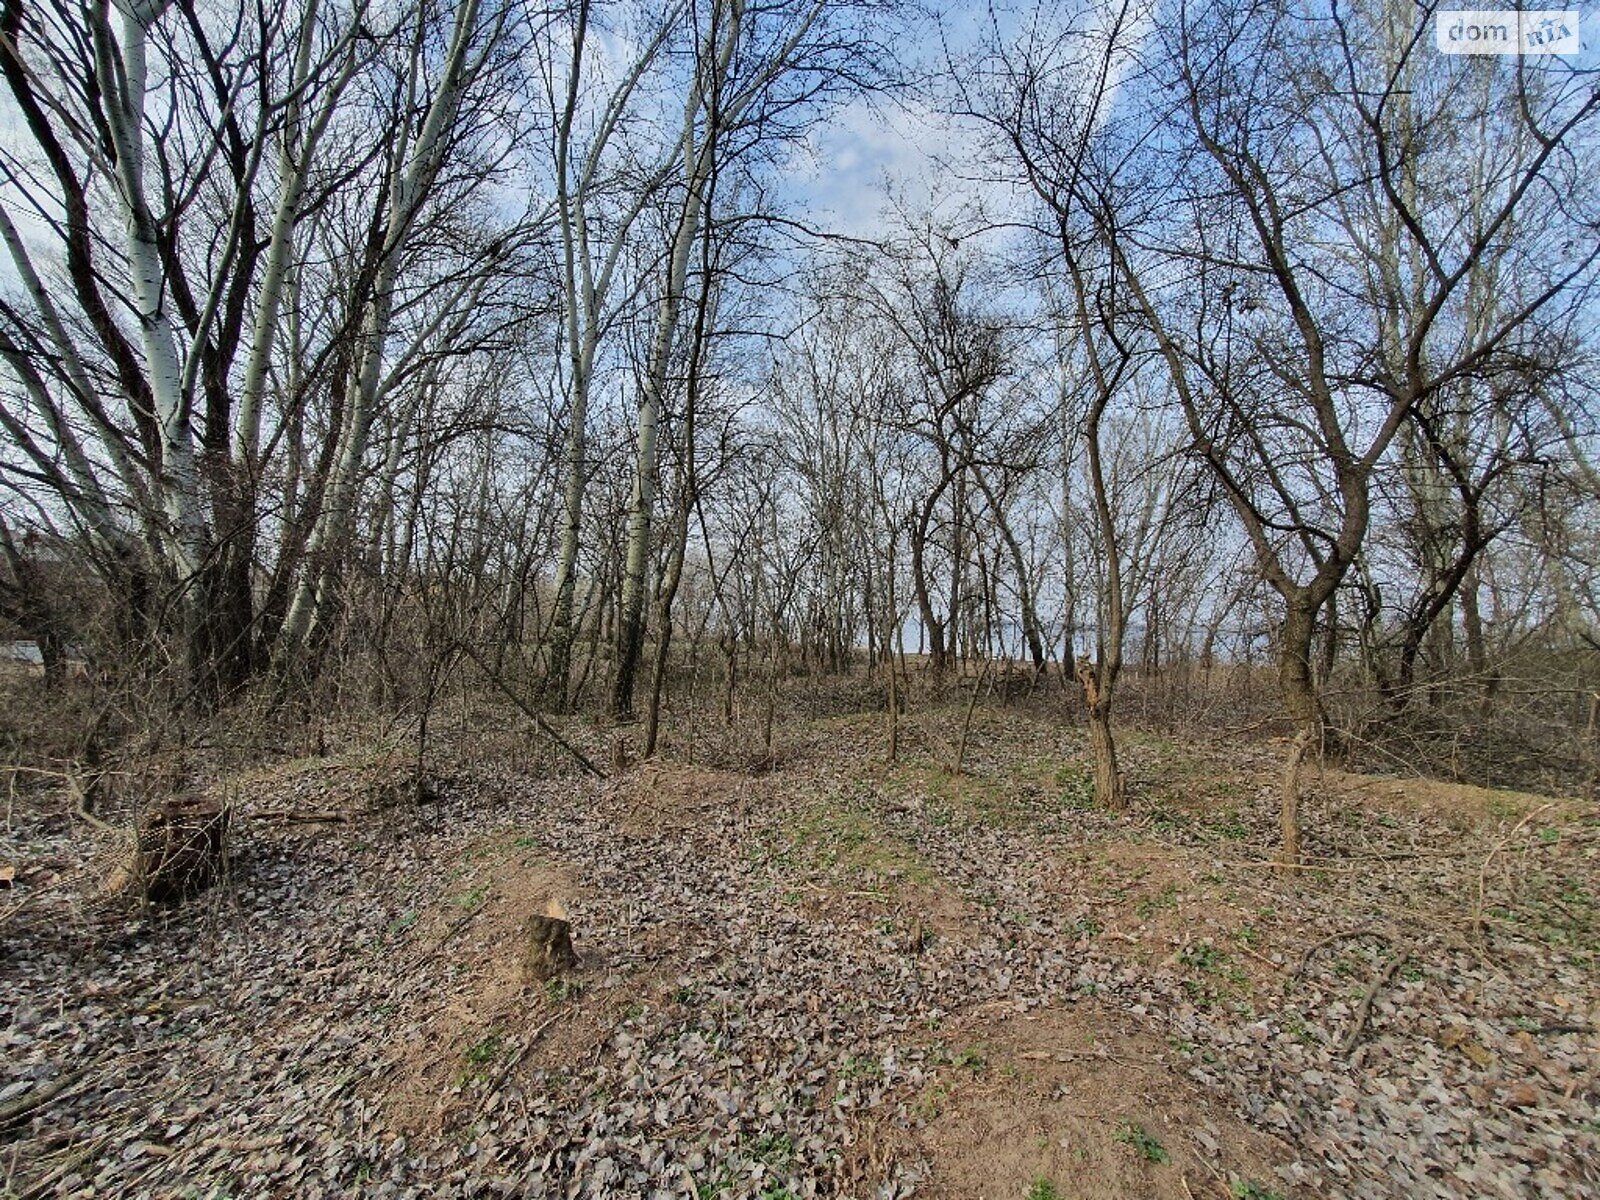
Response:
column 512, row 1062
column 12, row 910
column 1347, row 936
column 80, row 802
column 535, row 716
column 1365, row 1010
column 71, row 1162
column 1260, row 958
column 26, row 1105
column 294, row 816
column 449, row 934
column 245, row 1145
column 1361, row 864
column 1320, row 865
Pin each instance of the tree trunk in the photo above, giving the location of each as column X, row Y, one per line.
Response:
column 1110, row 790
column 1477, row 654
column 658, row 677
column 1304, row 704
column 1330, row 639
column 123, row 68
column 547, row 946
column 701, row 145
column 931, row 625
column 955, row 624
column 630, row 620
column 412, row 172
column 688, row 489
column 180, row 848
column 53, row 657
column 630, row 637
column 560, row 661
column 891, row 641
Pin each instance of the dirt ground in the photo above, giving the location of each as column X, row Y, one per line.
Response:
column 835, row 978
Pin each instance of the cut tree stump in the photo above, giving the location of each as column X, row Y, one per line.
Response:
column 548, row 951
column 180, row 848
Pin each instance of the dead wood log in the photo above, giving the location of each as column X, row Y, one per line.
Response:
column 548, row 948
column 180, row 848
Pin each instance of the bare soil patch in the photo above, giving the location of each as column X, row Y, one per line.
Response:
column 482, row 1008
column 665, row 797
column 1078, row 1101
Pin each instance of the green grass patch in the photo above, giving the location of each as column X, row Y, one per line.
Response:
column 479, row 1057
column 854, row 1066
column 560, row 991
column 484, row 1050
column 1248, row 1189
column 1034, row 792
column 842, row 840
column 1230, row 824
column 972, row 1058
column 402, row 923
column 1147, row 906
column 1143, row 1142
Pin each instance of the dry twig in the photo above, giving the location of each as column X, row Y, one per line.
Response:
column 1346, row 936
column 1483, row 873
column 1365, row 1010
column 535, row 716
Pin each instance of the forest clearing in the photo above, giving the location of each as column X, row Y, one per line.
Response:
column 836, row 977
column 758, row 599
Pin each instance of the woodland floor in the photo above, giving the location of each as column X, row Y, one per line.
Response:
column 834, row 978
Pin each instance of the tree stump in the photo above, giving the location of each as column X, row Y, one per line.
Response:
column 180, row 848
column 548, row 948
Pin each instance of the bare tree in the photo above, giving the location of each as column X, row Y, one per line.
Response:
column 601, row 192
column 265, row 205
column 1328, row 301
column 757, row 76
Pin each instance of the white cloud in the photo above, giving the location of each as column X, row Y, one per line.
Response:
column 874, row 156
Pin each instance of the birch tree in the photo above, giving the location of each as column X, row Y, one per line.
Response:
column 601, row 192
column 186, row 360
column 413, row 162
column 757, row 74
column 116, row 139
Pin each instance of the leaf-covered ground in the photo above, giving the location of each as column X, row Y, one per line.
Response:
column 837, row 978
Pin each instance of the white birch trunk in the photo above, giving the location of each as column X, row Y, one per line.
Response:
column 586, row 295
column 700, row 151
column 313, row 598
column 122, row 67
column 296, row 151
column 91, row 502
